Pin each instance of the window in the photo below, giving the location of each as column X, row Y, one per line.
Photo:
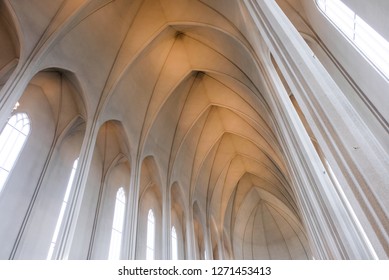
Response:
column 371, row 44
column 150, row 235
column 174, row 244
column 62, row 212
column 117, row 226
column 12, row 140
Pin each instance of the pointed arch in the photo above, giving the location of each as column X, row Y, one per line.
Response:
column 110, row 186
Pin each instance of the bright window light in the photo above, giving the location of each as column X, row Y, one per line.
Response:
column 371, row 44
column 174, row 244
column 62, row 212
column 12, row 140
column 117, row 226
column 150, row 236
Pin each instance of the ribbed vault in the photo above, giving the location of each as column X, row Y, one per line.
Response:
column 188, row 92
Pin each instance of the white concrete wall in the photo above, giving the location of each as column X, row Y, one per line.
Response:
column 152, row 94
column 372, row 85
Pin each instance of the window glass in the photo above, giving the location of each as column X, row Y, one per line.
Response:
column 117, row 225
column 150, row 235
column 12, row 140
column 62, row 211
column 174, row 244
column 368, row 41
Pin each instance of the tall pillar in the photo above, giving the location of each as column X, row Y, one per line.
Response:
column 207, row 241
column 190, row 236
column 84, row 162
column 166, row 225
column 220, row 247
column 131, row 219
column 334, row 230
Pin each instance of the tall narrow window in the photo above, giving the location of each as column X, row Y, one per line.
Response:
column 150, row 236
column 174, row 244
column 62, row 212
column 368, row 41
column 12, row 140
column 117, row 226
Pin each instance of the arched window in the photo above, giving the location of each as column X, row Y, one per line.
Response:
column 174, row 244
column 12, row 140
column 150, row 236
column 62, row 212
column 117, row 226
column 368, row 41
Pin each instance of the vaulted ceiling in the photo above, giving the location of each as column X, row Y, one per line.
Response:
column 186, row 86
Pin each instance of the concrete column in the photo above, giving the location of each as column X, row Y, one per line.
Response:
column 70, row 221
column 166, row 224
column 220, row 247
column 332, row 226
column 190, row 237
column 132, row 212
column 208, row 242
column 130, row 219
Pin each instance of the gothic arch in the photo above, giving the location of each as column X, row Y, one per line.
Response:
column 111, row 166
column 188, row 104
column 57, row 131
